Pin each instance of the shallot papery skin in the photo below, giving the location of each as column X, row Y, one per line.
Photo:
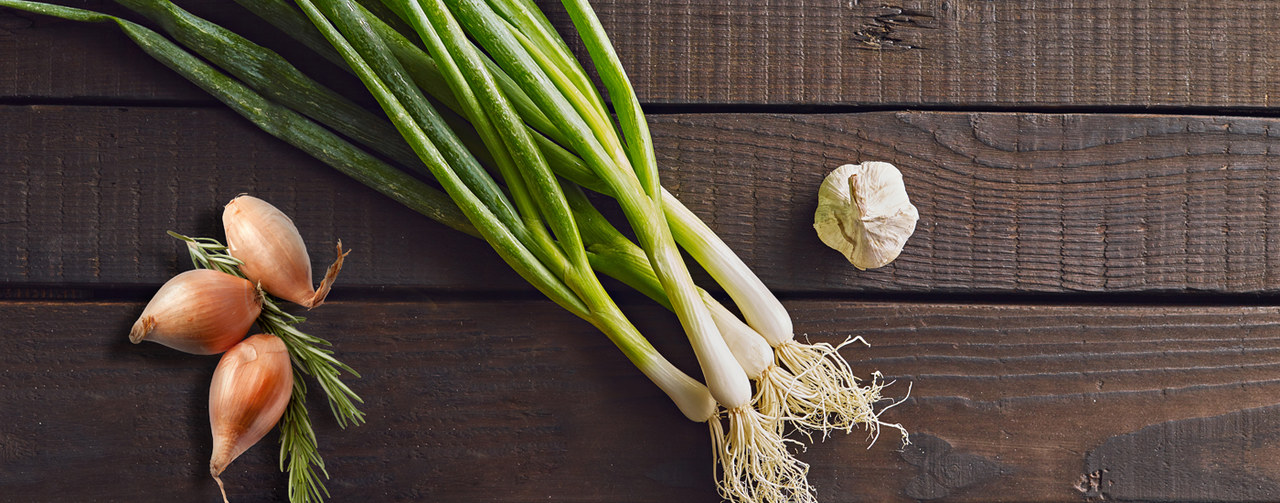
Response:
column 249, row 393
column 274, row 255
column 200, row 311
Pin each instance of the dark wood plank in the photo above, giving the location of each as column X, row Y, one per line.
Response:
column 1008, row 202
column 861, row 52
column 462, row 406
column 48, row 58
column 948, row 52
column 54, row 59
column 89, row 193
column 1202, row 463
column 1008, row 403
column 1011, row 399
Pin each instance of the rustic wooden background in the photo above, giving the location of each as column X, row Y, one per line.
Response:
column 1085, row 312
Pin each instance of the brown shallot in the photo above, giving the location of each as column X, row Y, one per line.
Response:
column 249, row 393
column 200, row 311
column 274, row 255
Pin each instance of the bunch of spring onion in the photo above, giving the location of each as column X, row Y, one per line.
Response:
column 484, row 98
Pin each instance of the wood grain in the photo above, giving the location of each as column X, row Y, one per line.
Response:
column 948, row 52
column 1007, row 403
column 1209, row 458
column 1022, row 393
column 92, row 205
column 912, row 53
column 57, row 60
column 1009, row 202
column 48, row 58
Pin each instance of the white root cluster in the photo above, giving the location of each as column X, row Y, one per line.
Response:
column 802, row 387
column 779, row 394
column 810, row 388
column 822, row 393
column 753, row 462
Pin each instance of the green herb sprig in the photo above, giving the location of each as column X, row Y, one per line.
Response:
column 299, row 454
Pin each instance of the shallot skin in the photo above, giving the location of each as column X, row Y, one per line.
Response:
column 271, row 249
column 200, row 311
column 247, row 397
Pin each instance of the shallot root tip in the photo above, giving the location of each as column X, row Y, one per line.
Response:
column 329, row 276
column 221, row 488
column 259, row 295
column 141, row 328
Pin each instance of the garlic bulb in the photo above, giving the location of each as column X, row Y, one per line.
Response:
column 200, row 311
column 274, row 256
column 248, row 395
column 865, row 214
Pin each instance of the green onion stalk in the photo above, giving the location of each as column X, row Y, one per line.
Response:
column 634, row 186
column 819, row 391
column 562, row 279
column 753, row 461
column 813, row 387
column 751, row 455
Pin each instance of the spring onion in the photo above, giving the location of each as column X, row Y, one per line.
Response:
column 827, row 395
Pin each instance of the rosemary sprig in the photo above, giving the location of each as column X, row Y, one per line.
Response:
column 310, row 356
column 298, row 448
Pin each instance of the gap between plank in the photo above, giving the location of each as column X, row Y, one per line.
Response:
column 140, row 293
column 746, row 108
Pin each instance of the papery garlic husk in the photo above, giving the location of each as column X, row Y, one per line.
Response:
column 865, row 214
column 274, row 256
column 248, row 395
column 200, row 311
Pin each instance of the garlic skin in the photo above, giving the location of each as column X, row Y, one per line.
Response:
column 248, row 395
column 200, row 311
column 274, row 255
column 865, row 214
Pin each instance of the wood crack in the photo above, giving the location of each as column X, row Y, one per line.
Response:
column 887, row 28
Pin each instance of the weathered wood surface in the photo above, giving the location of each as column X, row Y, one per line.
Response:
column 950, row 52
column 805, row 52
column 1008, row 403
column 1167, row 397
column 54, row 59
column 1009, row 202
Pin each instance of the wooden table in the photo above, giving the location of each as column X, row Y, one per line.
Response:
column 1084, row 312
